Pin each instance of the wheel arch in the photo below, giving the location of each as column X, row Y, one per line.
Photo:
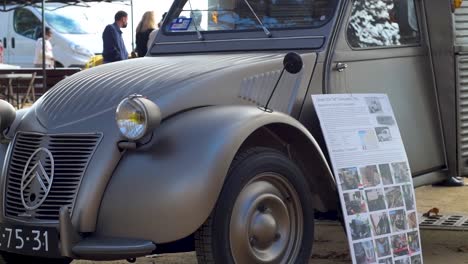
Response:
column 306, row 153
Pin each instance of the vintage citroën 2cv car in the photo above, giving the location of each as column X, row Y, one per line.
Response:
column 211, row 143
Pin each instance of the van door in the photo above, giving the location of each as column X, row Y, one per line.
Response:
column 381, row 49
column 4, row 34
column 23, row 34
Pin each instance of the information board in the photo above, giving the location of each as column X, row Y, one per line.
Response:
column 373, row 177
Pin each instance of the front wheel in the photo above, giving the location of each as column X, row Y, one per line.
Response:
column 10, row 258
column 263, row 215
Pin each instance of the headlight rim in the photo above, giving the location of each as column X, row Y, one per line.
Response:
column 152, row 116
column 142, row 108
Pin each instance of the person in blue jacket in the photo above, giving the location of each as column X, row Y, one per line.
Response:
column 114, row 46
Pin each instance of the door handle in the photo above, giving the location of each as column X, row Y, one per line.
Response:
column 12, row 43
column 341, row 67
column 5, row 44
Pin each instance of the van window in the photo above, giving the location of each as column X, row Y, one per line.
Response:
column 383, row 23
column 26, row 23
column 236, row 15
column 71, row 21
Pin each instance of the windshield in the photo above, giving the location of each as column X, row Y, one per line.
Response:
column 236, row 15
column 70, row 20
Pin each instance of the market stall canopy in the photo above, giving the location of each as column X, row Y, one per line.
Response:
column 8, row 5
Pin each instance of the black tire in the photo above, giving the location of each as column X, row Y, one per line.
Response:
column 10, row 258
column 267, row 190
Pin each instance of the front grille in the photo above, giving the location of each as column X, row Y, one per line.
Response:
column 71, row 154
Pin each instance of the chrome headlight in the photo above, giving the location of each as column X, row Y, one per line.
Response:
column 137, row 116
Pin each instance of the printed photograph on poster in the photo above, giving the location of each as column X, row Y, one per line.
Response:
column 404, row 260
column 412, row 220
column 380, row 223
column 374, row 105
column 368, row 139
column 394, row 197
column 354, row 202
column 375, row 200
column 416, row 259
column 386, row 174
column 370, row 176
column 385, row 120
column 386, row 261
column 383, row 247
column 360, row 227
column 383, row 134
column 413, row 242
column 349, row 179
column 401, row 172
column 398, row 220
column 364, row 252
column 399, row 245
column 408, row 195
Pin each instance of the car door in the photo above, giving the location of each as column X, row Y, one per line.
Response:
column 23, row 35
column 381, row 49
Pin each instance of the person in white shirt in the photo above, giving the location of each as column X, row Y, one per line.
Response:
column 1, row 51
column 49, row 55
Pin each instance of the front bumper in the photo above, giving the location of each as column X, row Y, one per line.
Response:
column 75, row 246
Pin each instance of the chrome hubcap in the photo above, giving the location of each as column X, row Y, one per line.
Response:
column 266, row 223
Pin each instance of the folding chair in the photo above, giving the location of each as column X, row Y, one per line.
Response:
column 31, row 90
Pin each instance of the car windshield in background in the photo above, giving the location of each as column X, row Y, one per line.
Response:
column 68, row 23
column 236, row 15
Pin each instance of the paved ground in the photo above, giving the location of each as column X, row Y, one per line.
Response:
column 331, row 247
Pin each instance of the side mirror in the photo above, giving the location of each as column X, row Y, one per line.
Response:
column 293, row 63
column 7, row 116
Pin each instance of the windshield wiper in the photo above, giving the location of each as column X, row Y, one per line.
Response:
column 265, row 29
column 199, row 34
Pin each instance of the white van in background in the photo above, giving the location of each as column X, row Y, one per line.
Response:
column 76, row 35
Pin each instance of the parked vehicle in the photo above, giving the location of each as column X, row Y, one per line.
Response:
column 76, row 38
column 207, row 144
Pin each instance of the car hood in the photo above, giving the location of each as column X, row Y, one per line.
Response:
column 175, row 83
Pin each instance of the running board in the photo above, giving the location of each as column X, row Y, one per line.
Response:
column 444, row 222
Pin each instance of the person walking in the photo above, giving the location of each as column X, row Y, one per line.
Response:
column 143, row 30
column 49, row 55
column 114, row 46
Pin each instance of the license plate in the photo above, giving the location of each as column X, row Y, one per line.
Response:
column 39, row 241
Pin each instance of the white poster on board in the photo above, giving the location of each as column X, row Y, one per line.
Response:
column 373, row 177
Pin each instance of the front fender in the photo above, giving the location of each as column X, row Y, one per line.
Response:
column 166, row 190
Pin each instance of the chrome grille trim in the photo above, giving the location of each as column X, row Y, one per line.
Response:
column 72, row 154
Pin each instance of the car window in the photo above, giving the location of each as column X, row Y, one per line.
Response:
column 26, row 23
column 383, row 23
column 237, row 15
